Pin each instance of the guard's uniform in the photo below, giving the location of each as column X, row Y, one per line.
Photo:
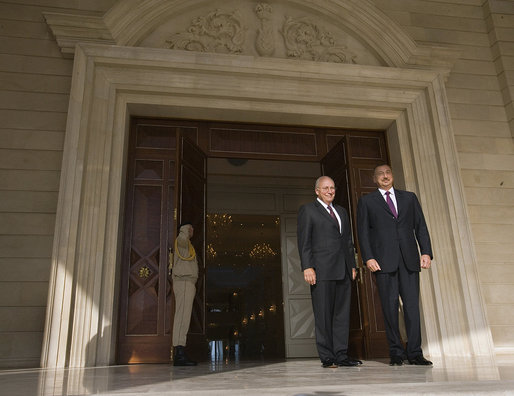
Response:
column 184, row 276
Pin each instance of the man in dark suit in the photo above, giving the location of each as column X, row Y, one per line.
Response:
column 390, row 226
column 328, row 263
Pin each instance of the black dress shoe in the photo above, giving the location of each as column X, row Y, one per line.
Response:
column 396, row 361
column 348, row 362
column 328, row 364
column 180, row 358
column 420, row 361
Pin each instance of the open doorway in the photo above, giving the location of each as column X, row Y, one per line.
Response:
column 245, row 250
column 244, row 310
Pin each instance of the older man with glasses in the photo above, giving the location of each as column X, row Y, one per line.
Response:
column 328, row 263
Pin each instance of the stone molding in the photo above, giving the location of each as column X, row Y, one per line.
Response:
column 69, row 30
column 128, row 22
column 111, row 83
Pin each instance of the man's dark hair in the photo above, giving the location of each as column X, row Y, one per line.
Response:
column 378, row 166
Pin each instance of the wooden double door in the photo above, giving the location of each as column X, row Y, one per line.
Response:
column 166, row 184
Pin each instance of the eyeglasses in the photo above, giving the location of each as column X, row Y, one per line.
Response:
column 327, row 188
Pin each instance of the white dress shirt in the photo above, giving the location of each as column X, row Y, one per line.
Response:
column 391, row 194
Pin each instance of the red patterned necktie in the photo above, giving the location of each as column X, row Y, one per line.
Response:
column 332, row 214
column 391, row 204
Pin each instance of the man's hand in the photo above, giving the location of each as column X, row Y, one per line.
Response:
column 372, row 265
column 354, row 273
column 425, row 261
column 310, row 276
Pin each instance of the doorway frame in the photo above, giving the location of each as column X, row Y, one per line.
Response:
column 112, row 83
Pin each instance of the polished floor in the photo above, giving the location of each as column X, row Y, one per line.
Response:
column 302, row 377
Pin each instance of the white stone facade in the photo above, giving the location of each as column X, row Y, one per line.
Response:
column 436, row 74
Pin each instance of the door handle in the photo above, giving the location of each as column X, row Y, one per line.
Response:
column 360, row 269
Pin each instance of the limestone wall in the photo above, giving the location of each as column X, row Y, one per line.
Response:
column 34, row 86
column 480, row 97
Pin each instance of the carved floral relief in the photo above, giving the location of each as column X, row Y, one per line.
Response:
column 223, row 31
column 218, row 31
column 306, row 40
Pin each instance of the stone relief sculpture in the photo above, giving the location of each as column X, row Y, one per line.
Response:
column 265, row 41
column 305, row 40
column 218, row 31
column 222, row 31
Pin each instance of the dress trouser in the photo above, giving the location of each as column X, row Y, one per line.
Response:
column 405, row 284
column 184, row 290
column 331, row 306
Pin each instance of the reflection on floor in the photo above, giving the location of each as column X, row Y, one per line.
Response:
column 298, row 377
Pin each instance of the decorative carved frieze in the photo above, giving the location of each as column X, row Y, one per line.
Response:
column 218, row 31
column 306, row 40
column 265, row 41
column 222, row 31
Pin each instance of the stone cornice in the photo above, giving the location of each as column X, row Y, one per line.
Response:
column 69, row 29
column 128, row 22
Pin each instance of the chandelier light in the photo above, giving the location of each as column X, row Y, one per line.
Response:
column 262, row 251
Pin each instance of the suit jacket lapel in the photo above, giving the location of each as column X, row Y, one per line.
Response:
column 341, row 216
column 381, row 201
column 400, row 203
column 326, row 214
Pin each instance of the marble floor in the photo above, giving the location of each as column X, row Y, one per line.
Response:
column 296, row 377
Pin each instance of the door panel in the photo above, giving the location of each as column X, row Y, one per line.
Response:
column 375, row 329
column 192, row 168
column 299, row 335
column 146, row 298
column 143, row 334
column 367, row 150
column 142, row 316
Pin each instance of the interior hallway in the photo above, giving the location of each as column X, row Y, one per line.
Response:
column 296, row 377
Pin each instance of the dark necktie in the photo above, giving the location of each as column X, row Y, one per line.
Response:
column 332, row 214
column 391, row 204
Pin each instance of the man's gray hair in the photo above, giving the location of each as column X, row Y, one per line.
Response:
column 318, row 180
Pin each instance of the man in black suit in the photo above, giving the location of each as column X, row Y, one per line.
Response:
column 390, row 226
column 328, row 263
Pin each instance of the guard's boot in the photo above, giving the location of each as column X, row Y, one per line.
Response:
column 180, row 358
